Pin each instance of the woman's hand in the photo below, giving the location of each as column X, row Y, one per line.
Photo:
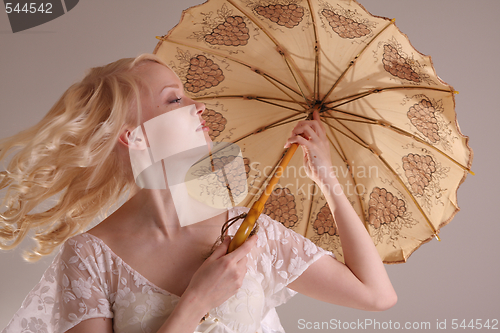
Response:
column 221, row 275
column 311, row 136
column 217, row 279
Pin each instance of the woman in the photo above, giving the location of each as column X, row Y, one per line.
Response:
column 139, row 270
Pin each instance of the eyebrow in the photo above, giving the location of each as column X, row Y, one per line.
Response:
column 169, row 86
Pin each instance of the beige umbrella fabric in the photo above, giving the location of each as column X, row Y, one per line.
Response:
column 261, row 66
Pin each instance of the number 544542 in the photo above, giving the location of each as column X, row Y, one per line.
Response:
column 475, row 324
column 32, row 8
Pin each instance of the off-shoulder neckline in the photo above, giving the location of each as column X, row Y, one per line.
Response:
column 231, row 213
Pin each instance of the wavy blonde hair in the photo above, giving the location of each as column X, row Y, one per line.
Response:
column 71, row 153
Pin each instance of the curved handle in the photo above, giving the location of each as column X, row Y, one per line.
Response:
column 253, row 214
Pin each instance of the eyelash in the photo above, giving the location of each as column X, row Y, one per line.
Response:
column 177, row 100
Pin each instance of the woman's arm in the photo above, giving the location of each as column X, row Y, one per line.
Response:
column 362, row 281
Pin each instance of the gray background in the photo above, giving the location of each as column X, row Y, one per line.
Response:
column 456, row 278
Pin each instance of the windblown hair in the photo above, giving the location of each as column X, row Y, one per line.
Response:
column 70, row 154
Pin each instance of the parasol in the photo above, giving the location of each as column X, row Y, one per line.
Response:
column 260, row 66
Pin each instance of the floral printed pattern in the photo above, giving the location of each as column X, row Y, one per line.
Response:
column 418, row 171
column 203, row 73
column 423, row 116
column 324, row 223
column 397, row 65
column 233, row 32
column 281, row 207
column 215, row 121
column 345, row 27
column 385, row 207
column 87, row 280
column 289, row 15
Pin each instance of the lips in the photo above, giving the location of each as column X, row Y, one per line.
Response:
column 202, row 127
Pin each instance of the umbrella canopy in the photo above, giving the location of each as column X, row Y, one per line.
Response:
column 262, row 65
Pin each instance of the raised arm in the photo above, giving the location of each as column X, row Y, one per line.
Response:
column 362, row 281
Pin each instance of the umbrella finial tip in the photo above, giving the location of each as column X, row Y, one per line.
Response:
column 393, row 20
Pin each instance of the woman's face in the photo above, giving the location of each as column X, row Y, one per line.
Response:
column 165, row 93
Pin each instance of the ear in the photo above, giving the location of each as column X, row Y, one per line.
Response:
column 133, row 139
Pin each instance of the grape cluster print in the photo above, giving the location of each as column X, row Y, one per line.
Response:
column 281, row 207
column 288, row 16
column 202, row 74
column 384, row 207
column 422, row 116
column 418, row 171
column 233, row 32
column 228, row 170
column 345, row 27
column 215, row 121
column 398, row 66
column 324, row 223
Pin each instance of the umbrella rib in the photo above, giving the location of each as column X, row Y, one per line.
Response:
column 341, row 152
column 354, row 134
column 316, row 53
column 411, row 195
column 363, row 144
column 344, row 159
column 366, row 120
column 258, row 99
column 401, row 131
column 405, row 133
column 279, row 105
column 398, row 178
column 249, row 97
column 352, row 120
column 213, row 52
column 274, row 82
column 280, row 122
column 355, row 97
column 280, row 49
column 352, row 62
column 264, row 182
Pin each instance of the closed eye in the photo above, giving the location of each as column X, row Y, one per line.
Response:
column 177, row 100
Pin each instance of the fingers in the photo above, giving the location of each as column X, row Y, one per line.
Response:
column 244, row 249
column 220, row 250
column 310, row 130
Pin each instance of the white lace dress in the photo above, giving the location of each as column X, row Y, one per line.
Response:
column 87, row 280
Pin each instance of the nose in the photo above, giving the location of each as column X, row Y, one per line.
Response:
column 199, row 108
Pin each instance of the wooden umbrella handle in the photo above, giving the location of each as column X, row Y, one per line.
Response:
column 253, row 214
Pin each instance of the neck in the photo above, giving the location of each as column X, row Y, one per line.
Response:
column 158, row 209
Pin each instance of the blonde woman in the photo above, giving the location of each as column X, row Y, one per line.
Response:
column 139, row 270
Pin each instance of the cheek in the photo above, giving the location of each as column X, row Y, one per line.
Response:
column 151, row 111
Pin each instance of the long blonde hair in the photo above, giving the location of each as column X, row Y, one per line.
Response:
column 71, row 154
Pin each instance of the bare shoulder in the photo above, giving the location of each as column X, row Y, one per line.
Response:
column 114, row 228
